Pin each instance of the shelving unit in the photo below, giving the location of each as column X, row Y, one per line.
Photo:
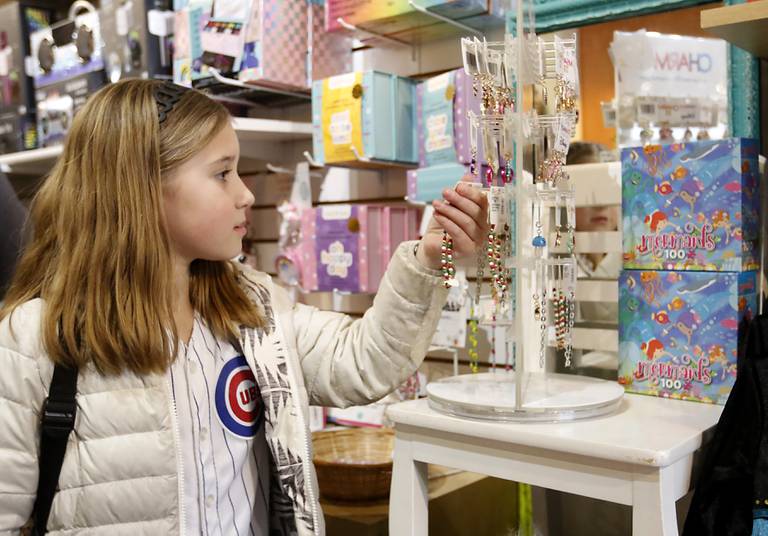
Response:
column 743, row 25
column 251, row 133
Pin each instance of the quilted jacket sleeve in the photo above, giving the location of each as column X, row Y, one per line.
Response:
column 21, row 396
column 351, row 362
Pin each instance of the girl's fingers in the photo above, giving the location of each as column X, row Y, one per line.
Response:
column 467, row 205
column 458, row 217
column 472, row 193
column 461, row 241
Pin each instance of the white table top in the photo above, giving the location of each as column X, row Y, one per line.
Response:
column 645, row 430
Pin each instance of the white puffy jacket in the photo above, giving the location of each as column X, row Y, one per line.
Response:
column 121, row 470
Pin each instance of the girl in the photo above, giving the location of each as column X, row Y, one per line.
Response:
column 195, row 373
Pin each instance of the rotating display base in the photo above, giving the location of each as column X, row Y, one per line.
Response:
column 546, row 397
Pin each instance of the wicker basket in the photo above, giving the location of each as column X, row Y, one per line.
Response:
column 354, row 465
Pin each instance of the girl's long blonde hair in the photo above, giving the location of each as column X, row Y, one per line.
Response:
column 100, row 256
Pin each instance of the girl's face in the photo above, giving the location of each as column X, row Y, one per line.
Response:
column 206, row 204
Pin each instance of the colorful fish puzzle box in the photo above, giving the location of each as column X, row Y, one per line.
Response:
column 679, row 331
column 691, row 206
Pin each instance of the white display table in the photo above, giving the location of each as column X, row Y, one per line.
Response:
column 641, row 455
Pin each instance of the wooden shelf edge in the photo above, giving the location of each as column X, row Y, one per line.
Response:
column 742, row 25
column 39, row 161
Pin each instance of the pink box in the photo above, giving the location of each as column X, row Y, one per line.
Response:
column 276, row 44
column 348, row 247
column 331, row 52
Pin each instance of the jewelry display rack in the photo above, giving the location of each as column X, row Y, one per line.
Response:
column 530, row 248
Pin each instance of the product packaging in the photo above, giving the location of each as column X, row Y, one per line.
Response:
column 679, row 331
column 691, row 206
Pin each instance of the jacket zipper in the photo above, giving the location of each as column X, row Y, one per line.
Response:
column 177, row 446
column 308, row 473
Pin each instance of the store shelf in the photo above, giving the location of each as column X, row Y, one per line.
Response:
column 373, row 164
column 225, row 88
column 249, row 130
column 744, row 25
column 34, row 162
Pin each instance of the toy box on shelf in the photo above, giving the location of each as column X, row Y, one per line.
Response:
column 278, row 44
column 679, row 331
column 691, row 206
column 348, row 247
column 442, row 103
column 367, row 115
column 331, row 53
column 427, row 184
column 442, row 106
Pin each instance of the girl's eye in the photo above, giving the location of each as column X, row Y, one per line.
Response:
column 223, row 175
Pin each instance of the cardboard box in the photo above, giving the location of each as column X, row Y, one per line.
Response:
column 679, row 331
column 331, row 51
column 427, row 184
column 442, row 104
column 189, row 22
column 371, row 111
column 276, row 44
column 348, row 247
column 691, row 206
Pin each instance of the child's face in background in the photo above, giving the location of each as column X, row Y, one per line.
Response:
column 596, row 219
column 206, row 204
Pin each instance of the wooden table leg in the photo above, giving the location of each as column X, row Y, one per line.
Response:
column 653, row 508
column 409, row 492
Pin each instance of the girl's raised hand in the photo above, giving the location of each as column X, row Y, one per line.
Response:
column 463, row 213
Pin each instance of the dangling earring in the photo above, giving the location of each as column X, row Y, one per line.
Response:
column 539, row 242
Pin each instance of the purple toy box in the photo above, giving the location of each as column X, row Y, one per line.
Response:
column 679, row 331
column 691, row 206
column 348, row 247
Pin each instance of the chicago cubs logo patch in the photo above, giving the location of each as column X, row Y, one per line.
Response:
column 238, row 400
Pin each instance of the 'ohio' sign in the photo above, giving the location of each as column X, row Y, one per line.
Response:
column 657, row 65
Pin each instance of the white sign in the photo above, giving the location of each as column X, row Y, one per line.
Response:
column 659, row 65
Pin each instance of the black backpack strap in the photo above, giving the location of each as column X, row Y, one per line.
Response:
column 58, row 421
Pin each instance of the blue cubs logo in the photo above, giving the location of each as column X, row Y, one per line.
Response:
column 238, row 399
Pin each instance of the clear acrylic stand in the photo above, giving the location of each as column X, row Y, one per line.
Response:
column 537, row 317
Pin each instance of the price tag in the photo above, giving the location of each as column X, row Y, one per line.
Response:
column 569, row 70
column 469, row 54
column 559, row 68
column 563, row 134
column 498, row 209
